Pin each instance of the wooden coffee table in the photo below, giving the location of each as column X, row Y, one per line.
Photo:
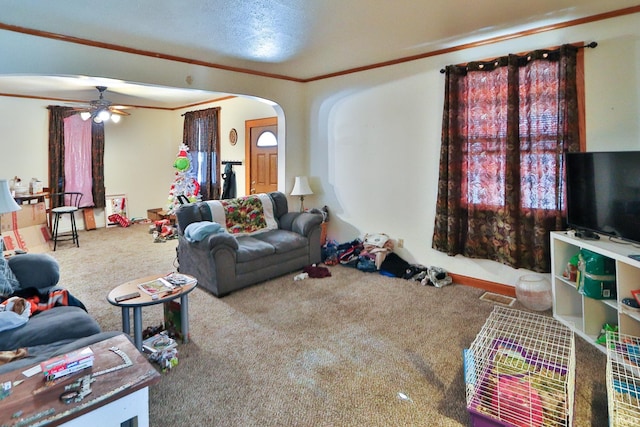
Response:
column 144, row 300
column 119, row 392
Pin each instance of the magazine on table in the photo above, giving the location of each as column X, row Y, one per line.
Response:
column 177, row 279
column 156, row 286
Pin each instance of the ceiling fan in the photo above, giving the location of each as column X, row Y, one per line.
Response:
column 101, row 110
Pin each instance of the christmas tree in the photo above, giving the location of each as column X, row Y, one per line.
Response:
column 185, row 187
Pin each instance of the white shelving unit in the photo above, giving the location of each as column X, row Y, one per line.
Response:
column 584, row 315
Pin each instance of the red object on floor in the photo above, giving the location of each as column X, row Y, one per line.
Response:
column 316, row 272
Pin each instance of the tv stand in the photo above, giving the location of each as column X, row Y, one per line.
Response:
column 584, row 315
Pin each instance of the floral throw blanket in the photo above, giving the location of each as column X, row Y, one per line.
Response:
column 244, row 215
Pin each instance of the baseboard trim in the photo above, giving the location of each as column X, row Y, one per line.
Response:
column 494, row 287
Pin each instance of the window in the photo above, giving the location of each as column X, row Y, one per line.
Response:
column 507, row 124
column 484, row 160
column 267, row 139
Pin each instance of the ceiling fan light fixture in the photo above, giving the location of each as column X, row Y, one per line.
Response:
column 101, row 110
column 104, row 115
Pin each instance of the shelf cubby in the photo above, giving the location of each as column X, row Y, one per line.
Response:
column 584, row 315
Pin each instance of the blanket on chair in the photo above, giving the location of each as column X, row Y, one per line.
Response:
column 244, row 215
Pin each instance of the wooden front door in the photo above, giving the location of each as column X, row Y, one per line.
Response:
column 262, row 135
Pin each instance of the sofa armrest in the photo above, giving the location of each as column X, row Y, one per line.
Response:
column 218, row 240
column 300, row 222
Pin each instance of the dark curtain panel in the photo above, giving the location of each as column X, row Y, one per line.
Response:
column 56, row 146
column 201, row 135
column 507, row 124
column 56, row 153
column 97, row 164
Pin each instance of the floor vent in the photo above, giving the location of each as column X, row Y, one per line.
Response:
column 498, row 299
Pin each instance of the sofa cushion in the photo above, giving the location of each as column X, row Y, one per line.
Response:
column 250, row 248
column 35, row 270
column 56, row 324
column 283, row 240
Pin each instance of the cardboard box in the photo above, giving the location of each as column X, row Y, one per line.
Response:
column 158, row 214
column 26, row 229
column 34, row 239
column 154, row 214
column 89, row 219
column 29, row 215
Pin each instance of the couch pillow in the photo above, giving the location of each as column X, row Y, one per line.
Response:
column 8, row 280
column 196, row 231
column 35, row 270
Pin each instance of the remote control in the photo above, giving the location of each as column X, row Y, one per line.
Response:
column 127, row 296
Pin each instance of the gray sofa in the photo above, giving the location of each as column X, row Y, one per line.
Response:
column 52, row 332
column 224, row 262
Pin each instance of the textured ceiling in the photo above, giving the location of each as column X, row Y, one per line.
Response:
column 300, row 39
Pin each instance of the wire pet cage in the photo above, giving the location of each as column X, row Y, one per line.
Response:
column 520, row 371
column 623, row 379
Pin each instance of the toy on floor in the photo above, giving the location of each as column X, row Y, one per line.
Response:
column 162, row 231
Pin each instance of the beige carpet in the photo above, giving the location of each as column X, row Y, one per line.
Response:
column 338, row 351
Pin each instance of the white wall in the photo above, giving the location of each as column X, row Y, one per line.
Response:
column 23, row 152
column 138, row 158
column 375, row 136
column 24, row 54
column 139, row 150
column 369, row 141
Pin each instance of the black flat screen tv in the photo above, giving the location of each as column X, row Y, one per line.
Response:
column 603, row 193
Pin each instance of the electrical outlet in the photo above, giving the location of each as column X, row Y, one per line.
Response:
column 401, row 243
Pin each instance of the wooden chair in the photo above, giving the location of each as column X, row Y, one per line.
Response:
column 61, row 204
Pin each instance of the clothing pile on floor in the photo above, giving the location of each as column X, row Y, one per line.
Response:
column 375, row 253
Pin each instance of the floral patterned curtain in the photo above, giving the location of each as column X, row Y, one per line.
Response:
column 507, row 124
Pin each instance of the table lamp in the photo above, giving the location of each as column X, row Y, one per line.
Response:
column 301, row 188
column 7, row 204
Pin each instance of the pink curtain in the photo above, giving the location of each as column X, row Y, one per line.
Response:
column 77, row 158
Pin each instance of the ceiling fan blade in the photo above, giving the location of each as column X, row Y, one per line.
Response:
column 119, row 112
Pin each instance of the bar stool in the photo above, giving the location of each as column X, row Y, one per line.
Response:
column 65, row 203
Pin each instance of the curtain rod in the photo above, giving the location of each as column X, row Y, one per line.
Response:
column 591, row 45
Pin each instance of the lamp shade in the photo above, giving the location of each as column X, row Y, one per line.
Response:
column 301, row 187
column 7, row 202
